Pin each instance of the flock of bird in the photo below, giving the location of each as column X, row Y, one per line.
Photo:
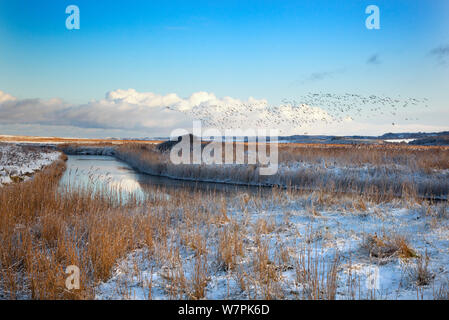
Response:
column 307, row 111
column 356, row 105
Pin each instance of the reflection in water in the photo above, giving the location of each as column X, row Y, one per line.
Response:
column 101, row 174
column 107, row 174
column 128, row 185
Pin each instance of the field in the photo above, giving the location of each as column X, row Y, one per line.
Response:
column 19, row 163
column 336, row 222
column 57, row 140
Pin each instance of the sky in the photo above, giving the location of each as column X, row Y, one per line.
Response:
column 144, row 68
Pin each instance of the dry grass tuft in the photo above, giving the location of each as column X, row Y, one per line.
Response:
column 318, row 279
column 443, row 292
column 230, row 246
column 386, row 246
column 420, row 273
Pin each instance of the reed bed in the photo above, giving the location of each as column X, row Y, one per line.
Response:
column 44, row 229
column 379, row 172
column 180, row 243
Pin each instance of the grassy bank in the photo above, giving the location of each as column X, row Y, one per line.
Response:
column 379, row 172
column 44, row 229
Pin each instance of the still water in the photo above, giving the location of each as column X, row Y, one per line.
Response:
column 108, row 173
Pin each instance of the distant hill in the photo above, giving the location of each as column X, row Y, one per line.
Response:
column 413, row 135
column 419, row 138
column 439, row 140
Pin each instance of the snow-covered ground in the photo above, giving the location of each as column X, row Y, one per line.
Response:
column 278, row 244
column 18, row 163
column 293, row 232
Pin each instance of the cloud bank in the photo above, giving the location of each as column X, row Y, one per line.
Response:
column 159, row 114
column 129, row 113
column 120, row 109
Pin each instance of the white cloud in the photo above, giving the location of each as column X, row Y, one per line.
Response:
column 14, row 110
column 5, row 97
column 149, row 99
column 151, row 114
column 120, row 109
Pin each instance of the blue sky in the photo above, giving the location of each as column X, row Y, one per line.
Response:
column 269, row 50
